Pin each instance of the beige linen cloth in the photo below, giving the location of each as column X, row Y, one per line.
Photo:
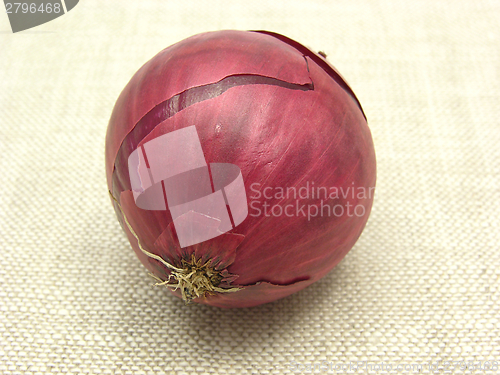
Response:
column 420, row 287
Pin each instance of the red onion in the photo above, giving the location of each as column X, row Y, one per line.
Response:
column 240, row 166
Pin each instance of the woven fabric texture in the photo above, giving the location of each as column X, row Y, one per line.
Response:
column 420, row 287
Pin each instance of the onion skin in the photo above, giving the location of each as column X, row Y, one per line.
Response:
column 286, row 118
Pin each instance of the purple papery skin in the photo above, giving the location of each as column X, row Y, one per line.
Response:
column 285, row 118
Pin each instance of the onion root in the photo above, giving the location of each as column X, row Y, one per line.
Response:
column 194, row 279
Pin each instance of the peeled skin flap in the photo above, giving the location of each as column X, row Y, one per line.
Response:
column 194, row 65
